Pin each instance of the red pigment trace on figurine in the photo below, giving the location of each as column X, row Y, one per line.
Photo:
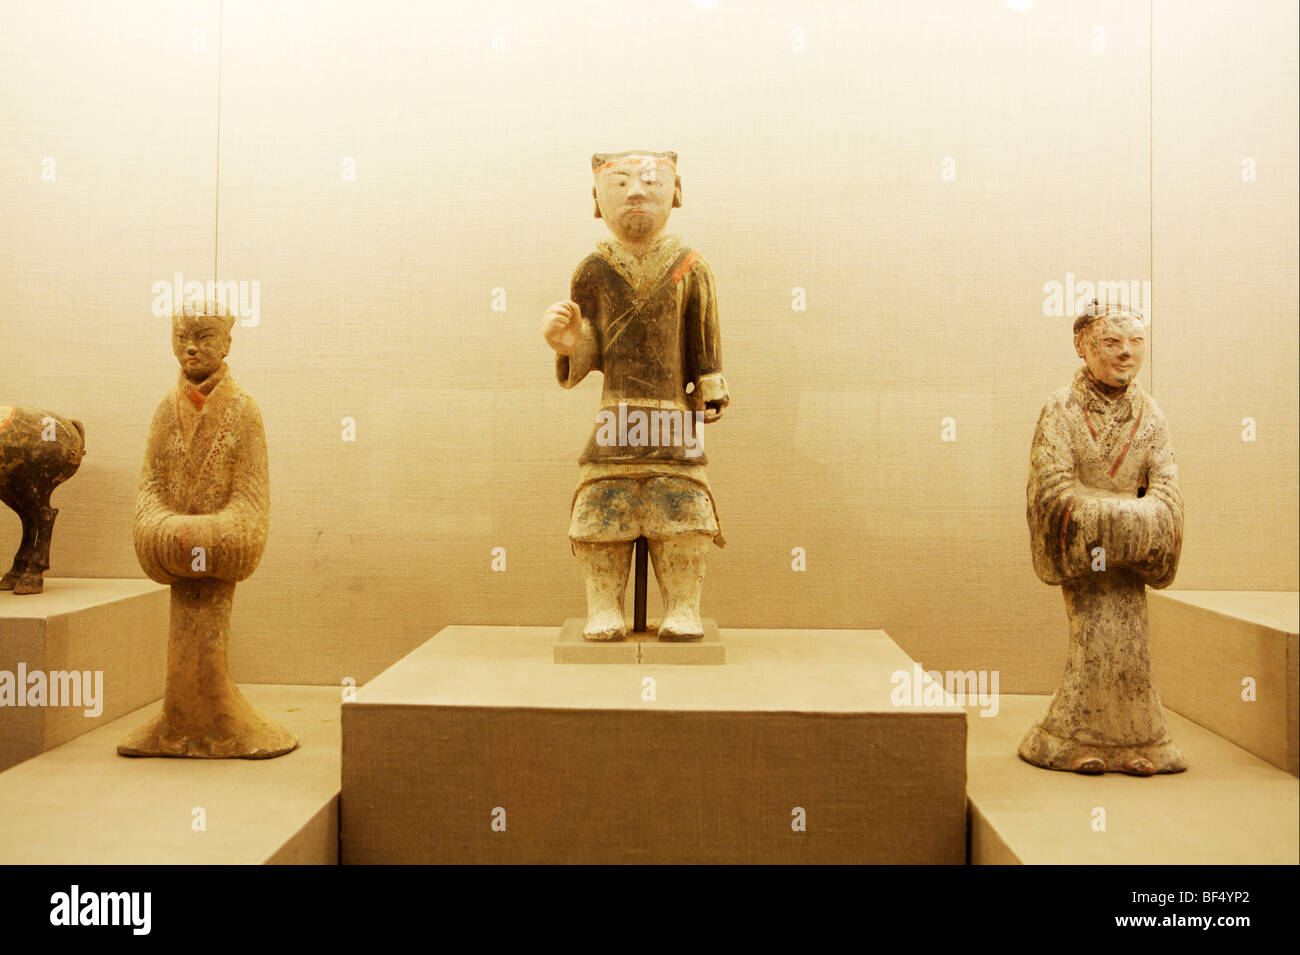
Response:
column 1129, row 443
column 1091, row 430
column 1065, row 522
column 638, row 160
column 684, row 269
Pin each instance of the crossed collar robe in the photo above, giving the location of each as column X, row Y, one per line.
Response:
column 204, row 484
column 650, row 326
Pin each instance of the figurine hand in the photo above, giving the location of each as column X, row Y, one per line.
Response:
column 561, row 326
column 712, row 389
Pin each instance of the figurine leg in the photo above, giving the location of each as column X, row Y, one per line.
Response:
column 605, row 567
column 21, row 558
column 679, row 567
column 32, row 578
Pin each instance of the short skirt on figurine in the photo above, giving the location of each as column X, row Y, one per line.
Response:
column 653, row 507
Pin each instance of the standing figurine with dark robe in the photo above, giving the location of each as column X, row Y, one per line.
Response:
column 642, row 310
column 201, row 522
column 1105, row 521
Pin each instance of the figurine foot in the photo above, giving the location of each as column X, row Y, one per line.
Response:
column 1049, row 751
column 8, row 581
column 1139, row 766
column 259, row 739
column 605, row 625
column 681, row 625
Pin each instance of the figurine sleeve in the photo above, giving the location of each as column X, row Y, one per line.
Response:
column 585, row 358
column 1144, row 533
column 236, row 534
column 1050, row 501
column 157, row 545
column 232, row 539
column 704, row 337
column 1068, row 521
column 1159, row 513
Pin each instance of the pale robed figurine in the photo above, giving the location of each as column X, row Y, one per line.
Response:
column 201, row 523
column 642, row 311
column 1106, row 521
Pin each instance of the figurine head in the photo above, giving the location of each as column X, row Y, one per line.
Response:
column 1113, row 341
column 201, row 337
column 635, row 192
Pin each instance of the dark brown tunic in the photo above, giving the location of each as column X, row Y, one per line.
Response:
column 650, row 326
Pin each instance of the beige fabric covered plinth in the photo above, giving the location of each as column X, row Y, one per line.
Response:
column 82, row 804
column 1228, row 808
column 1206, row 644
column 478, row 726
column 118, row 627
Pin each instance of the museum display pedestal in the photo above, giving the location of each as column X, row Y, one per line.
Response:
column 115, row 627
column 572, row 647
column 1206, row 643
column 477, row 748
column 1228, row 808
column 83, row 804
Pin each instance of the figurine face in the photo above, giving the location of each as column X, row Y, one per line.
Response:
column 635, row 196
column 200, row 344
column 1114, row 348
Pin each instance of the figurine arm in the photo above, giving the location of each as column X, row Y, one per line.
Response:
column 1159, row 514
column 157, row 543
column 232, row 539
column 1050, row 505
column 1144, row 533
column 705, row 339
column 1068, row 519
column 584, row 358
column 236, row 534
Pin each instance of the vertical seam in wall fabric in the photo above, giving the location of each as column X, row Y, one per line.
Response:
column 1151, row 186
column 216, row 206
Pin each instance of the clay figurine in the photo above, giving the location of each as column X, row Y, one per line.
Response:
column 38, row 452
column 1106, row 521
column 201, row 522
column 642, row 311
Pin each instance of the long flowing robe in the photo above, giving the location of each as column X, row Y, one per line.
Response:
column 650, row 326
column 1106, row 521
column 201, row 521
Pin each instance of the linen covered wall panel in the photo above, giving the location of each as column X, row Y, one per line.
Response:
column 385, row 169
column 1225, row 176
column 108, row 122
column 815, row 147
